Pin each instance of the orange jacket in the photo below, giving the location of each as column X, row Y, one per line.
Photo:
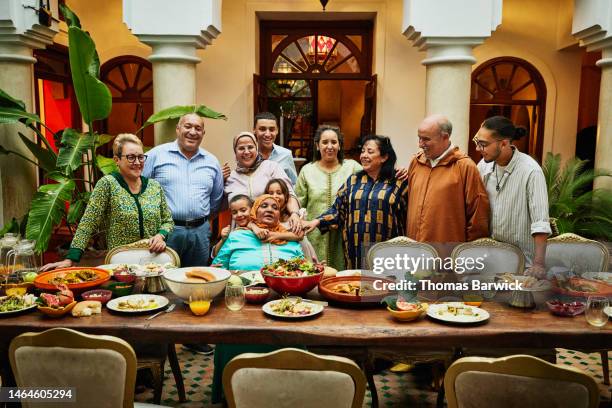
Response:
column 448, row 203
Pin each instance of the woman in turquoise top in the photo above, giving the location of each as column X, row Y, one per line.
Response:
column 126, row 205
column 244, row 251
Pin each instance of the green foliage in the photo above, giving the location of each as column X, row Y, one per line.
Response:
column 106, row 165
column 176, row 112
column 93, row 96
column 46, row 158
column 47, row 209
column 74, row 146
column 575, row 207
column 11, row 226
column 71, row 18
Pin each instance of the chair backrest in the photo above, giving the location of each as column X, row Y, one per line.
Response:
column 102, row 369
column 497, row 257
column 517, row 381
column 138, row 253
column 293, row 378
column 404, row 246
column 577, row 254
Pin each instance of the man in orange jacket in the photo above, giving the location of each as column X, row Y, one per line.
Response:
column 447, row 201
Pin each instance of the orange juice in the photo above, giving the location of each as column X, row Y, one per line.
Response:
column 199, row 307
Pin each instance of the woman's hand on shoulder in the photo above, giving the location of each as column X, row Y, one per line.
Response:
column 225, row 232
column 66, row 263
column 261, row 233
column 309, row 226
column 295, row 223
column 157, row 243
column 401, row 173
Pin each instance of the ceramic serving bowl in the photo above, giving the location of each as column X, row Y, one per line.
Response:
column 184, row 287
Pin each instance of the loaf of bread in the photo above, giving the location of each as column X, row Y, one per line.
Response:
column 87, row 308
column 200, row 275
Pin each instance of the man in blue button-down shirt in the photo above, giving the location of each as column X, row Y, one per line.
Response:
column 193, row 182
column 266, row 130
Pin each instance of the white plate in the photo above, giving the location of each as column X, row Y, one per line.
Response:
column 314, row 309
column 137, row 269
column 608, row 311
column 599, row 276
column 110, row 267
column 350, row 272
column 12, row 312
column 480, row 315
column 161, row 301
column 253, row 276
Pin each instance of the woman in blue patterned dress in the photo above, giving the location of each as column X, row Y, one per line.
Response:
column 371, row 205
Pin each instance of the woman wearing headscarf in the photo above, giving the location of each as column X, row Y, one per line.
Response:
column 244, row 251
column 252, row 173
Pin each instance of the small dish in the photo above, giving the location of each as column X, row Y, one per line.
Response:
column 566, row 309
column 256, row 294
column 119, row 288
column 100, row 295
column 408, row 315
column 57, row 312
column 125, row 277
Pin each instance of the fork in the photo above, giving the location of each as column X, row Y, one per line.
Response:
column 168, row 310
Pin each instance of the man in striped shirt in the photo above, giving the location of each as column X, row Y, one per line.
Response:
column 193, row 183
column 517, row 191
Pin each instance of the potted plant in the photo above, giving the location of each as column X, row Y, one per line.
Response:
column 65, row 196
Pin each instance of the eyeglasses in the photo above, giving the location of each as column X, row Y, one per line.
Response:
column 132, row 157
column 481, row 144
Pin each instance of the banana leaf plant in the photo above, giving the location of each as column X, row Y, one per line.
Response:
column 64, row 198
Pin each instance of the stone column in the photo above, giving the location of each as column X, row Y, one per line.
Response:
column 592, row 26
column 174, row 33
column 20, row 34
column 447, row 32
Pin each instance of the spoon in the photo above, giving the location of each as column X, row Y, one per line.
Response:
column 168, row 310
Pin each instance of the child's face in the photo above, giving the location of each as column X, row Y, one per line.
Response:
column 275, row 191
column 240, row 212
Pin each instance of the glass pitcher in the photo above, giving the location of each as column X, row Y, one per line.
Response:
column 7, row 244
column 22, row 260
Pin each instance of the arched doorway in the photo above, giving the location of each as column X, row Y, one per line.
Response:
column 130, row 80
column 313, row 73
column 514, row 88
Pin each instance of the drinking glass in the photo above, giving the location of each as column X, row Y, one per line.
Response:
column 199, row 303
column 594, row 312
column 234, row 297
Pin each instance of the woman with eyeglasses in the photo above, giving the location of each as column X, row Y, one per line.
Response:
column 371, row 205
column 124, row 205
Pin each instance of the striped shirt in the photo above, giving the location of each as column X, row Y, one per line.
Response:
column 193, row 187
column 520, row 208
column 367, row 211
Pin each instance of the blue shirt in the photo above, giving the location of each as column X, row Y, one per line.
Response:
column 284, row 157
column 193, row 187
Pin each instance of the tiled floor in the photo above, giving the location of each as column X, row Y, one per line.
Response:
column 394, row 390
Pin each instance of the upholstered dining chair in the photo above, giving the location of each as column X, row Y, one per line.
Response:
column 152, row 359
column 293, row 378
column 518, row 381
column 101, row 369
column 138, row 253
column 576, row 253
column 579, row 255
column 497, row 257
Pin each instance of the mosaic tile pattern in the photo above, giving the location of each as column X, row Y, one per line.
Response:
column 394, row 390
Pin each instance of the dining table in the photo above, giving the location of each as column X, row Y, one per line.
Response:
column 337, row 326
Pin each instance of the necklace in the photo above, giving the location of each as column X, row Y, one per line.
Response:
column 496, row 177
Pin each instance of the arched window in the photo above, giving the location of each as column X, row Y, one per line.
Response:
column 130, row 80
column 514, row 88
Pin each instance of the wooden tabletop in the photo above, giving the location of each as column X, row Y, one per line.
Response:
column 337, row 326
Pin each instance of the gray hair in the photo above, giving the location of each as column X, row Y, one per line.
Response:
column 445, row 126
